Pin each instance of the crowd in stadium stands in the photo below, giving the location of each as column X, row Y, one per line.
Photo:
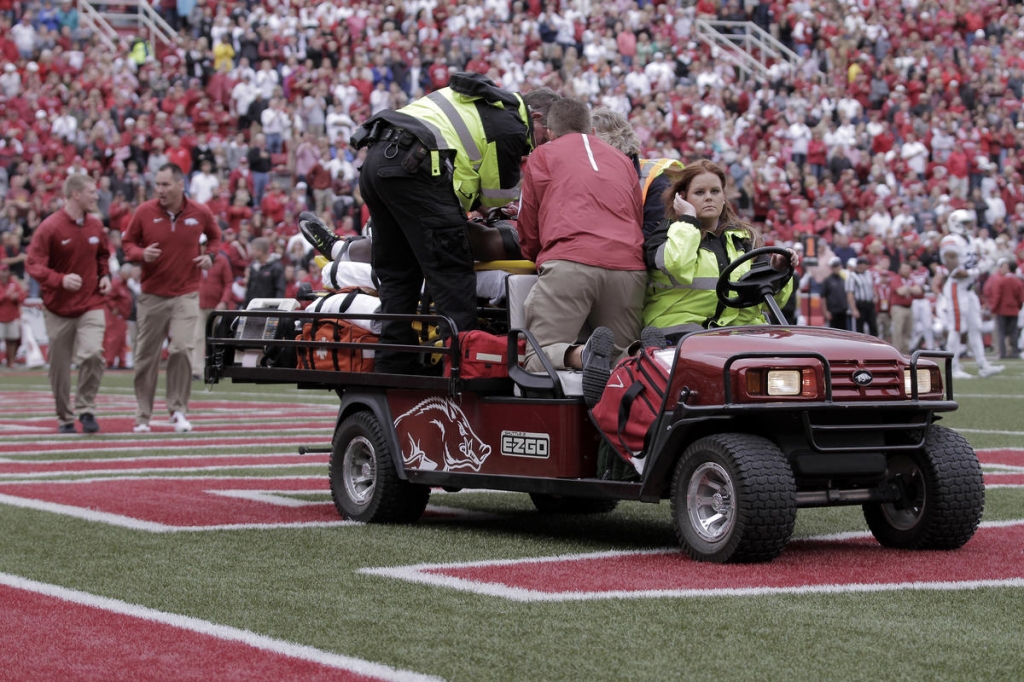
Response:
column 894, row 114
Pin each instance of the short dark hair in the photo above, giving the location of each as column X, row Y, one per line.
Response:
column 175, row 170
column 568, row 115
column 540, row 100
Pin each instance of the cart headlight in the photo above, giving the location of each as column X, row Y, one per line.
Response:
column 924, row 381
column 784, row 382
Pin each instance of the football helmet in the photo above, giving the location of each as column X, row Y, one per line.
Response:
column 959, row 222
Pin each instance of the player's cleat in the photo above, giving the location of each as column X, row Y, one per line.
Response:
column 317, row 233
column 960, row 374
column 990, row 370
column 141, row 428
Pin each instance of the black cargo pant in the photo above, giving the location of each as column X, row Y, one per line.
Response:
column 867, row 323
column 419, row 233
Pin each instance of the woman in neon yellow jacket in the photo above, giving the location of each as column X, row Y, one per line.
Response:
column 704, row 236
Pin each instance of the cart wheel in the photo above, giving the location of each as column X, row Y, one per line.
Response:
column 942, row 499
column 733, row 499
column 559, row 504
column 364, row 483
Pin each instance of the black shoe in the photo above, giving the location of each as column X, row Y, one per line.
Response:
column 597, row 364
column 650, row 337
column 89, row 423
column 67, row 428
column 653, row 337
column 317, row 233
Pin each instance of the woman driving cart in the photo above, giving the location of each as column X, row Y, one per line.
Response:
column 704, row 237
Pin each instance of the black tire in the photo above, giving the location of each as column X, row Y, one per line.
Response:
column 559, row 504
column 944, row 496
column 733, row 499
column 364, row 484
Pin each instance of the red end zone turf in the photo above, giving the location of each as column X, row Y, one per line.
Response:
column 51, row 633
column 992, row 557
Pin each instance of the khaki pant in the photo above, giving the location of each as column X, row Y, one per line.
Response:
column 199, row 342
column 158, row 318
column 570, row 296
column 902, row 328
column 77, row 340
column 323, row 204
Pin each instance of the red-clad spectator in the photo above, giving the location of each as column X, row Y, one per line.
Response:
column 214, row 294
column 439, row 75
column 179, row 154
column 238, row 212
column 219, row 204
column 320, row 183
column 119, row 304
column 12, row 294
column 273, row 204
column 236, row 249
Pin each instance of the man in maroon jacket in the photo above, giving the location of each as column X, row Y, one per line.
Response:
column 163, row 235
column 580, row 222
column 1004, row 296
column 69, row 257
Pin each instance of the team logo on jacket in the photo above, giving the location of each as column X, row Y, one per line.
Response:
column 863, row 377
column 191, row 221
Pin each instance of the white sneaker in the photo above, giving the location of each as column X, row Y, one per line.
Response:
column 990, row 370
column 141, row 428
column 181, row 425
column 960, row 374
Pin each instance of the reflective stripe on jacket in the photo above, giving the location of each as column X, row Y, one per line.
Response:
column 483, row 173
column 650, row 169
column 682, row 288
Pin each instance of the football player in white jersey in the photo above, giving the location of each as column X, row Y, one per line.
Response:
column 963, row 309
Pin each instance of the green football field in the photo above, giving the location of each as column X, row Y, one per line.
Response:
column 228, row 527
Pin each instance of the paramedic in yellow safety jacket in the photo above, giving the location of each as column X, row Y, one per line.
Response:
column 704, row 236
column 458, row 149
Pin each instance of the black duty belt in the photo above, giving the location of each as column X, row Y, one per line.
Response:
column 390, row 134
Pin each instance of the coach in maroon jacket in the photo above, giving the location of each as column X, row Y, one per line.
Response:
column 163, row 235
column 69, row 257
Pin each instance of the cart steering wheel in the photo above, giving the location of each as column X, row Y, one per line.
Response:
column 757, row 284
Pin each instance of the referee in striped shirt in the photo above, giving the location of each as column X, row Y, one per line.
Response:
column 860, row 292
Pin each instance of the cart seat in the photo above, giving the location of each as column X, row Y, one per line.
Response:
column 519, row 286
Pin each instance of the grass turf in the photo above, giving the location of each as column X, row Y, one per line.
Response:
column 302, row 585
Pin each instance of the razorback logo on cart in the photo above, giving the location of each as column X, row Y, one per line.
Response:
column 437, row 428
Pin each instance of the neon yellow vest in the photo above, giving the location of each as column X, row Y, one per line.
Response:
column 682, row 289
column 456, row 124
column 139, row 52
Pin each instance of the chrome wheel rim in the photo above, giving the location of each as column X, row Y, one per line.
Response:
column 710, row 502
column 360, row 470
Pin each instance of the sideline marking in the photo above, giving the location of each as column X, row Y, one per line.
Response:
column 278, row 497
column 216, row 654
column 164, row 504
column 161, row 504
column 661, row 573
column 167, row 464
